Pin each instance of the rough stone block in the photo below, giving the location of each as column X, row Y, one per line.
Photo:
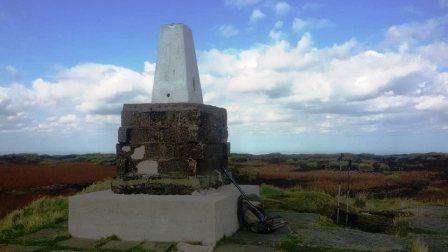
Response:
column 174, row 134
column 159, row 114
column 205, row 217
column 177, row 140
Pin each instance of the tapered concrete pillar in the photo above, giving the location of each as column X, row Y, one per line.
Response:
column 177, row 77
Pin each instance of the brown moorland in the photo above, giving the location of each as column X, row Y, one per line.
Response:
column 21, row 184
column 377, row 184
column 21, row 176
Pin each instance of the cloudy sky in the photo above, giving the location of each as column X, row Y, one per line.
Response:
column 294, row 76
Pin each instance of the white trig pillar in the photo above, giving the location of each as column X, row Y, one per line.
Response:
column 177, row 76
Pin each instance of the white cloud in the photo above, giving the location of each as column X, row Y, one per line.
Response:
column 418, row 32
column 311, row 6
column 241, row 3
column 278, row 24
column 62, row 123
column 299, row 25
column 74, row 94
column 276, row 34
column 9, row 69
column 256, row 15
column 437, row 52
column 282, row 8
column 344, row 87
column 227, row 31
column 434, row 102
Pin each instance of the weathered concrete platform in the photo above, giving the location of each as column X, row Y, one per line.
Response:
column 204, row 217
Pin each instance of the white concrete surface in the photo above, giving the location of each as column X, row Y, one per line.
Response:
column 177, row 76
column 204, row 217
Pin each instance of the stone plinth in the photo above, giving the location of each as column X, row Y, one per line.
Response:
column 171, row 148
column 204, row 217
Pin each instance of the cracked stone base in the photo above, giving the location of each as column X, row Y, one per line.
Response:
column 204, row 217
column 168, row 186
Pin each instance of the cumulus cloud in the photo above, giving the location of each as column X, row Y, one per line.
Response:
column 276, row 33
column 299, row 25
column 256, row 16
column 342, row 88
column 282, row 8
column 311, row 6
column 241, row 3
column 227, row 31
column 73, row 95
column 418, row 32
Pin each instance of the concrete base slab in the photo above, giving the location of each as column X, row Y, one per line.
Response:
column 204, row 217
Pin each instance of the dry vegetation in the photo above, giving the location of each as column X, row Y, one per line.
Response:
column 26, row 178
column 19, row 176
column 289, row 171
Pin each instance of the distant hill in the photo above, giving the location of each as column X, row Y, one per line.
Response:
column 94, row 158
column 362, row 162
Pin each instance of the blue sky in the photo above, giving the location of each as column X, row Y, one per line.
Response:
column 295, row 76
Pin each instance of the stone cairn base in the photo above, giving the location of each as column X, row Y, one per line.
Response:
column 171, row 148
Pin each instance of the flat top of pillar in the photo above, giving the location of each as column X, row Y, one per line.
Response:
column 175, row 25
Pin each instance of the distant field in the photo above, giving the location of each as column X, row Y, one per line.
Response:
column 380, row 185
column 418, row 176
column 22, row 183
column 20, row 176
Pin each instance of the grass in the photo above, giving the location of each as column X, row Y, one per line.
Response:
column 367, row 214
column 391, row 204
column 291, row 242
column 419, row 246
column 298, row 201
column 40, row 214
column 98, row 186
column 401, row 225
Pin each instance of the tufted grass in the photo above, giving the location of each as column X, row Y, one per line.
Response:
column 42, row 213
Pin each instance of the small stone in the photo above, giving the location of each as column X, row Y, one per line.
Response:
column 120, row 245
column 78, row 243
column 126, row 148
column 45, row 235
column 139, row 153
column 156, row 246
column 186, row 247
column 148, row 167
